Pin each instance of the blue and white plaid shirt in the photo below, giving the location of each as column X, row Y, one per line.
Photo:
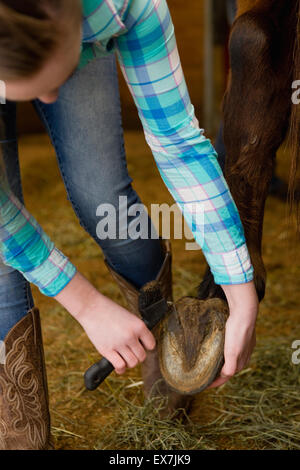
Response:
column 141, row 33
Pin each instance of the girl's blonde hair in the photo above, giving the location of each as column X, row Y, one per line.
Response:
column 30, row 30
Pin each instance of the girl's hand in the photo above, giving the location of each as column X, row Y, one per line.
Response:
column 117, row 334
column 240, row 338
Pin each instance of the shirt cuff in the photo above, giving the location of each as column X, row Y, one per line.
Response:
column 233, row 267
column 53, row 274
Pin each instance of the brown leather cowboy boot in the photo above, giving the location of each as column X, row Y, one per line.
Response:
column 24, row 411
column 154, row 384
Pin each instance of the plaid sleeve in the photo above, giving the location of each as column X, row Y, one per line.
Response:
column 186, row 160
column 25, row 247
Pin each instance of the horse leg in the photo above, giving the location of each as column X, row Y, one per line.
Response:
column 256, row 109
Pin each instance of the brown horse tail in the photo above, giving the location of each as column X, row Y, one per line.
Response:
column 294, row 135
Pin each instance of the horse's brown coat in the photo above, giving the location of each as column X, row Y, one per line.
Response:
column 258, row 113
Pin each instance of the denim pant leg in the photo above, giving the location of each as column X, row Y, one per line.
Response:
column 85, row 127
column 15, row 293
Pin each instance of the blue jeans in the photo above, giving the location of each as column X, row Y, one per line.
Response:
column 85, row 128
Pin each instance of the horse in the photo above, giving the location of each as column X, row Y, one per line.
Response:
column 258, row 114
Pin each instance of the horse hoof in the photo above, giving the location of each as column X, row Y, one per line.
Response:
column 191, row 343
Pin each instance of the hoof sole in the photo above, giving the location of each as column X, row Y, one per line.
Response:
column 191, row 345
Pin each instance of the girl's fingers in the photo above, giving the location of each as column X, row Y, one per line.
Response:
column 129, row 357
column 219, row 381
column 126, row 358
column 138, row 350
column 117, row 361
column 241, row 365
column 236, row 359
column 147, row 339
column 230, row 366
column 247, row 356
